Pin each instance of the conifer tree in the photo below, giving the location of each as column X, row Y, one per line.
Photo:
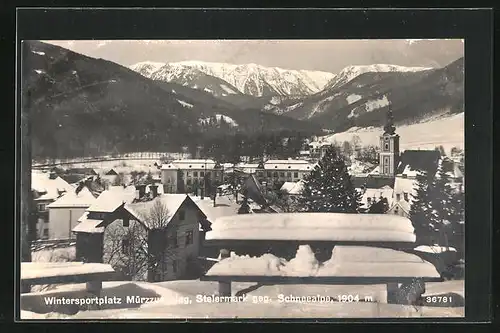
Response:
column 329, row 188
column 421, row 210
column 441, row 202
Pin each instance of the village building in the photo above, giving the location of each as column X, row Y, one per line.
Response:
column 293, row 188
column 142, row 233
column 394, row 178
column 274, row 173
column 110, row 177
column 66, row 210
column 46, row 188
column 186, row 176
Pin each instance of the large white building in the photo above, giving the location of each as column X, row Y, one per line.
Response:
column 183, row 176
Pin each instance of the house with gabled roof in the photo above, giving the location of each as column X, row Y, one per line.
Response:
column 65, row 212
column 46, row 188
column 143, row 234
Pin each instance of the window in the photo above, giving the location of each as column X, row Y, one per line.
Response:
column 189, row 237
column 126, row 245
column 405, row 195
column 282, row 174
column 126, row 222
column 260, row 174
column 42, row 207
column 188, row 181
column 195, row 173
column 202, row 174
column 398, row 196
column 296, row 175
column 188, row 174
column 174, row 266
column 275, row 174
column 289, row 174
column 173, row 239
column 386, row 146
column 208, row 173
column 182, row 215
column 269, row 174
column 46, row 232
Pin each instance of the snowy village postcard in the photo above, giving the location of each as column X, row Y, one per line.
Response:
column 244, row 179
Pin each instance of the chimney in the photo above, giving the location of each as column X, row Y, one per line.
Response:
column 140, row 190
column 52, row 175
column 154, row 190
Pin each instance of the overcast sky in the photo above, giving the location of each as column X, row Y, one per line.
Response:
column 325, row 55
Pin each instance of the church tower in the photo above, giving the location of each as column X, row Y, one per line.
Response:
column 389, row 147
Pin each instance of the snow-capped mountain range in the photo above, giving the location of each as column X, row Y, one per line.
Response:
column 249, row 79
column 351, row 72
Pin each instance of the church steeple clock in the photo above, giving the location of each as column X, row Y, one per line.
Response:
column 389, row 147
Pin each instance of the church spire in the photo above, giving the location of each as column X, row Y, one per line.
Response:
column 389, row 127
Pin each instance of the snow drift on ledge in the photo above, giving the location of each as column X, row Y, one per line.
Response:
column 313, row 226
column 358, row 261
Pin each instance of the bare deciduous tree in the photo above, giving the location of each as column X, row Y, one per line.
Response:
column 142, row 246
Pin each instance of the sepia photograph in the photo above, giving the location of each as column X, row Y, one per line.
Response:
column 233, row 179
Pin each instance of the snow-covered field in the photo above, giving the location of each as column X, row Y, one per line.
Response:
column 448, row 132
column 196, row 299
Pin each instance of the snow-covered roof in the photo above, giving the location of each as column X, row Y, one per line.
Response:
column 190, row 164
column 87, row 225
column 71, row 199
column 288, row 164
column 403, row 204
column 48, row 188
column 171, row 202
column 113, row 198
column 409, row 172
column 293, row 188
column 314, row 226
column 375, row 171
column 404, row 185
column 352, row 261
column 224, row 207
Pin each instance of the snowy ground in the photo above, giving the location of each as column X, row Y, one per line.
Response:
column 56, row 254
column 185, row 299
column 448, row 132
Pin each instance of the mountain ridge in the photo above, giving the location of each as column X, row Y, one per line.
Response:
column 253, row 79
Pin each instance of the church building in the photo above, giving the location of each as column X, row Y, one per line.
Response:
column 395, row 176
